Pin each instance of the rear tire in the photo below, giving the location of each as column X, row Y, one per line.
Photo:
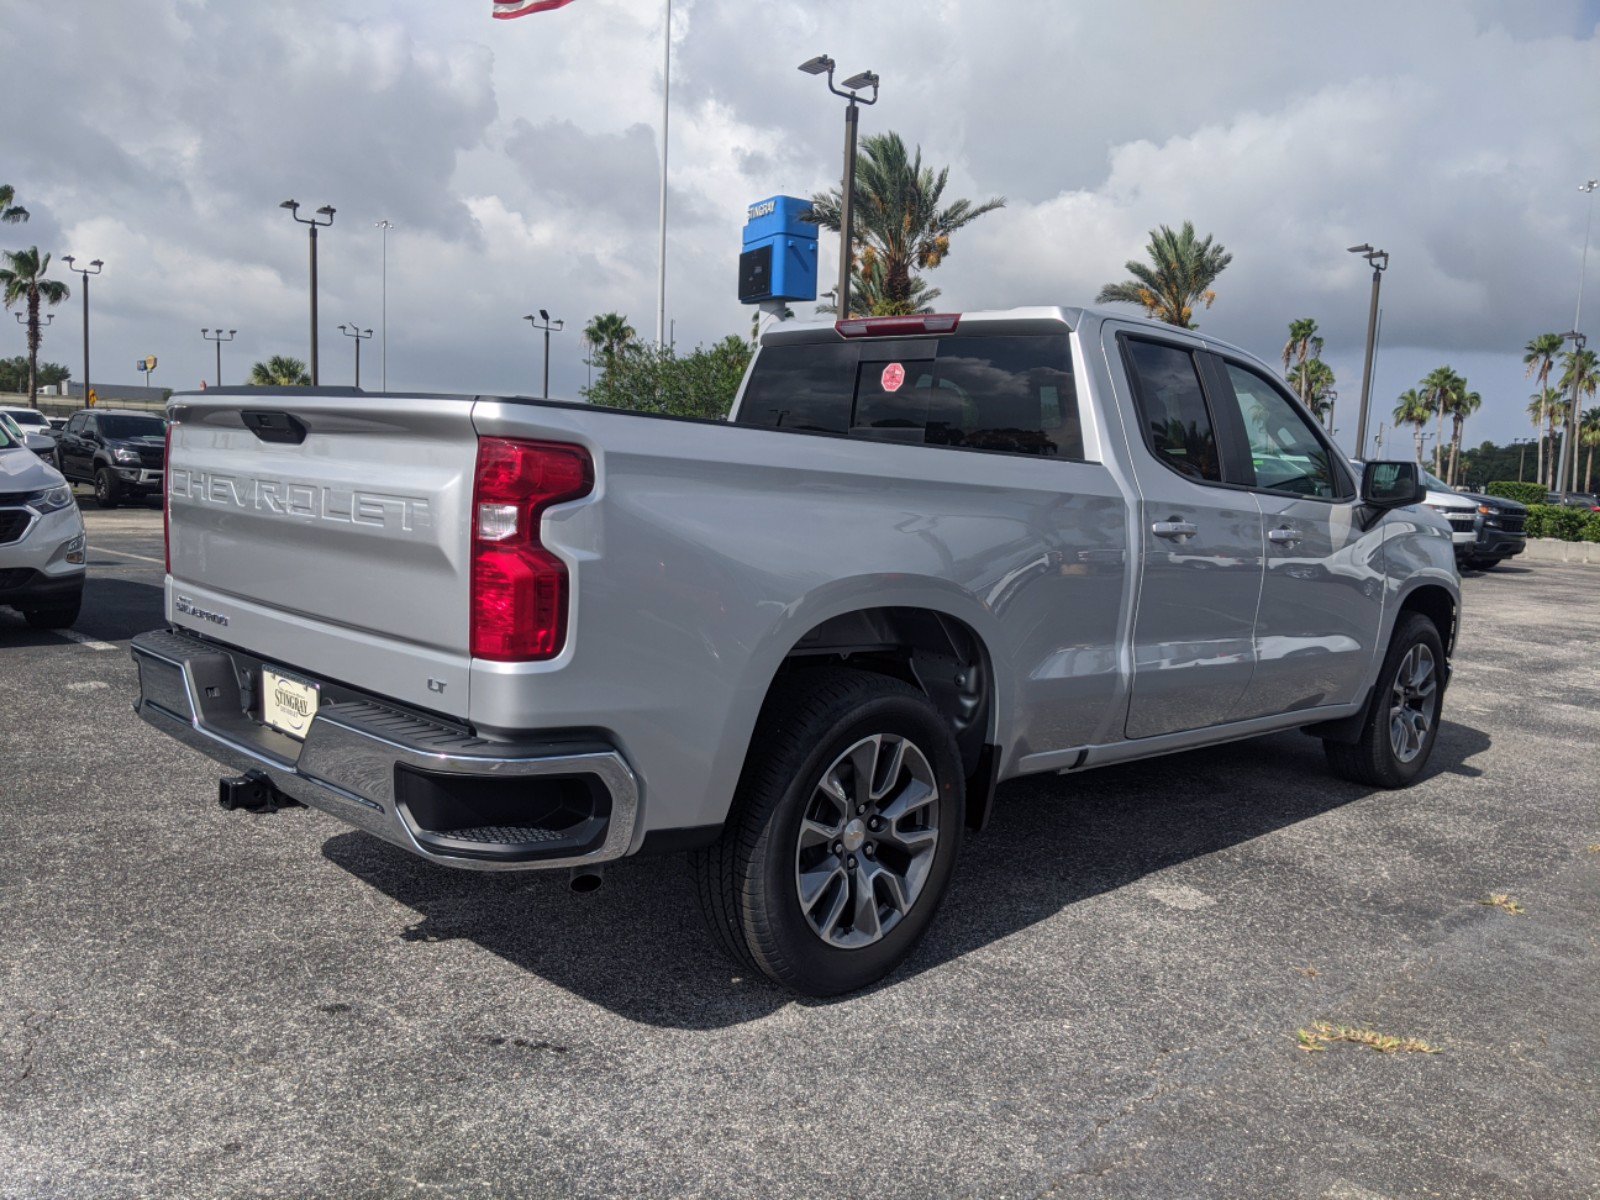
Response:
column 872, row 848
column 57, row 616
column 107, row 491
column 1398, row 736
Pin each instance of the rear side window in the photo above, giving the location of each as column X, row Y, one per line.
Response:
column 1172, row 409
column 801, row 387
column 1013, row 394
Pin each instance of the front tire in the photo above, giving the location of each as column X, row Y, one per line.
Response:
column 107, row 491
column 1398, row 736
column 843, row 835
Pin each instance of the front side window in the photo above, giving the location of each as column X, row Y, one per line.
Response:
column 1287, row 454
column 1172, row 409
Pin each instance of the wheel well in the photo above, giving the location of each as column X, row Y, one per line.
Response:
column 1439, row 606
column 939, row 655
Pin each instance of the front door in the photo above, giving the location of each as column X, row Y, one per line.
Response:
column 1322, row 597
column 1200, row 546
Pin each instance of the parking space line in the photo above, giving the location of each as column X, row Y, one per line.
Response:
column 129, row 554
column 84, row 639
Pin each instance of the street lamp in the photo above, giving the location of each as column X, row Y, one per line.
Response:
column 545, row 323
column 360, row 335
column 1379, row 259
column 856, row 84
column 1522, row 455
column 217, row 336
column 44, row 318
column 1569, row 461
column 383, row 324
column 325, row 211
column 1569, row 435
column 93, row 268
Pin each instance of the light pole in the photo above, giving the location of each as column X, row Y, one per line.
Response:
column 360, row 335
column 93, row 268
column 326, row 210
column 383, row 324
column 856, row 84
column 217, row 336
column 545, row 323
column 1380, row 263
column 1568, row 472
column 1522, row 455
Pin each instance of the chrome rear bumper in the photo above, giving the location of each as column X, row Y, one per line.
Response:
column 359, row 759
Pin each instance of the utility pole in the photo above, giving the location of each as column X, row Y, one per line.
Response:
column 327, row 211
column 851, row 93
column 218, row 337
column 93, row 268
column 1568, row 472
column 1379, row 259
column 545, row 323
column 661, row 265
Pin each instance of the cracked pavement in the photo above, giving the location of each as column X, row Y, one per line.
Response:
column 209, row 1004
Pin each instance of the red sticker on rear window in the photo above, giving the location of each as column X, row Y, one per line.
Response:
column 893, row 376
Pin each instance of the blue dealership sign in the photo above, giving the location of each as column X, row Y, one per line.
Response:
column 779, row 258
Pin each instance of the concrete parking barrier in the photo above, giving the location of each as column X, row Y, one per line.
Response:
column 1556, row 550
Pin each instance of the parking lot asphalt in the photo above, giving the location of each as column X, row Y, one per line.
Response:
column 197, row 1003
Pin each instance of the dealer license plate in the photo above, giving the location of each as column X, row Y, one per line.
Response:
column 288, row 704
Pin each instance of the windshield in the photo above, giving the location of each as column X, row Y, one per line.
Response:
column 113, row 426
column 27, row 416
column 10, row 435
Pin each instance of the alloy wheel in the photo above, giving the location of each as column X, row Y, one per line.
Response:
column 1413, row 702
column 867, row 841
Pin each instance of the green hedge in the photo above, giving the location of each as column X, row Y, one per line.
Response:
column 1567, row 524
column 1522, row 493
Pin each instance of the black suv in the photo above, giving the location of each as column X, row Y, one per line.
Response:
column 1501, row 532
column 122, row 453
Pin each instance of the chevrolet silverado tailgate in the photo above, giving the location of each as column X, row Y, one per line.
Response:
column 327, row 532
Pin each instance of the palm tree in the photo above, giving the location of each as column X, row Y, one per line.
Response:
column 899, row 218
column 1441, row 386
column 1303, row 344
column 1539, row 411
column 1414, row 410
column 608, row 333
column 1463, row 405
column 10, row 212
column 280, row 371
column 1580, row 369
column 869, row 296
column 1540, row 357
column 1184, row 268
column 1313, row 381
column 23, row 278
column 1589, row 435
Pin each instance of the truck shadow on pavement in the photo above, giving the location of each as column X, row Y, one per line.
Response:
column 637, row 946
column 113, row 610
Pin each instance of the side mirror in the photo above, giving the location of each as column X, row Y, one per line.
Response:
column 1387, row 485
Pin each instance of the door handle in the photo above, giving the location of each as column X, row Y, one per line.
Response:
column 1284, row 536
column 1173, row 529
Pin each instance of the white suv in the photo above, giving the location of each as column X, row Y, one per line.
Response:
column 42, row 546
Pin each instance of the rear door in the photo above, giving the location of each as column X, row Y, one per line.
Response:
column 1322, row 595
column 328, row 534
column 1200, row 543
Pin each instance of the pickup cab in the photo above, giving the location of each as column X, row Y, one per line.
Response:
column 922, row 555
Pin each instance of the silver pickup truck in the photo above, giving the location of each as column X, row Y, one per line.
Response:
column 921, row 556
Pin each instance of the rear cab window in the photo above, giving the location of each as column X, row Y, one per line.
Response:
column 1002, row 393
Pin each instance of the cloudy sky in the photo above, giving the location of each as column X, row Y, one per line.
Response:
column 520, row 163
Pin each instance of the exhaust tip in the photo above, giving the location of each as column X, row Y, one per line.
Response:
column 585, row 880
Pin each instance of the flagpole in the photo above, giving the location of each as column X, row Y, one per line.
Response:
column 666, row 95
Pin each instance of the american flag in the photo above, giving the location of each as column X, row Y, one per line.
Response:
column 504, row 10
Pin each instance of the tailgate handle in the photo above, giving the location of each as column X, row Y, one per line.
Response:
column 274, row 426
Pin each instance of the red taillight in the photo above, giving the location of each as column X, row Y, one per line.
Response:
column 519, row 589
column 166, row 498
column 898, row 326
